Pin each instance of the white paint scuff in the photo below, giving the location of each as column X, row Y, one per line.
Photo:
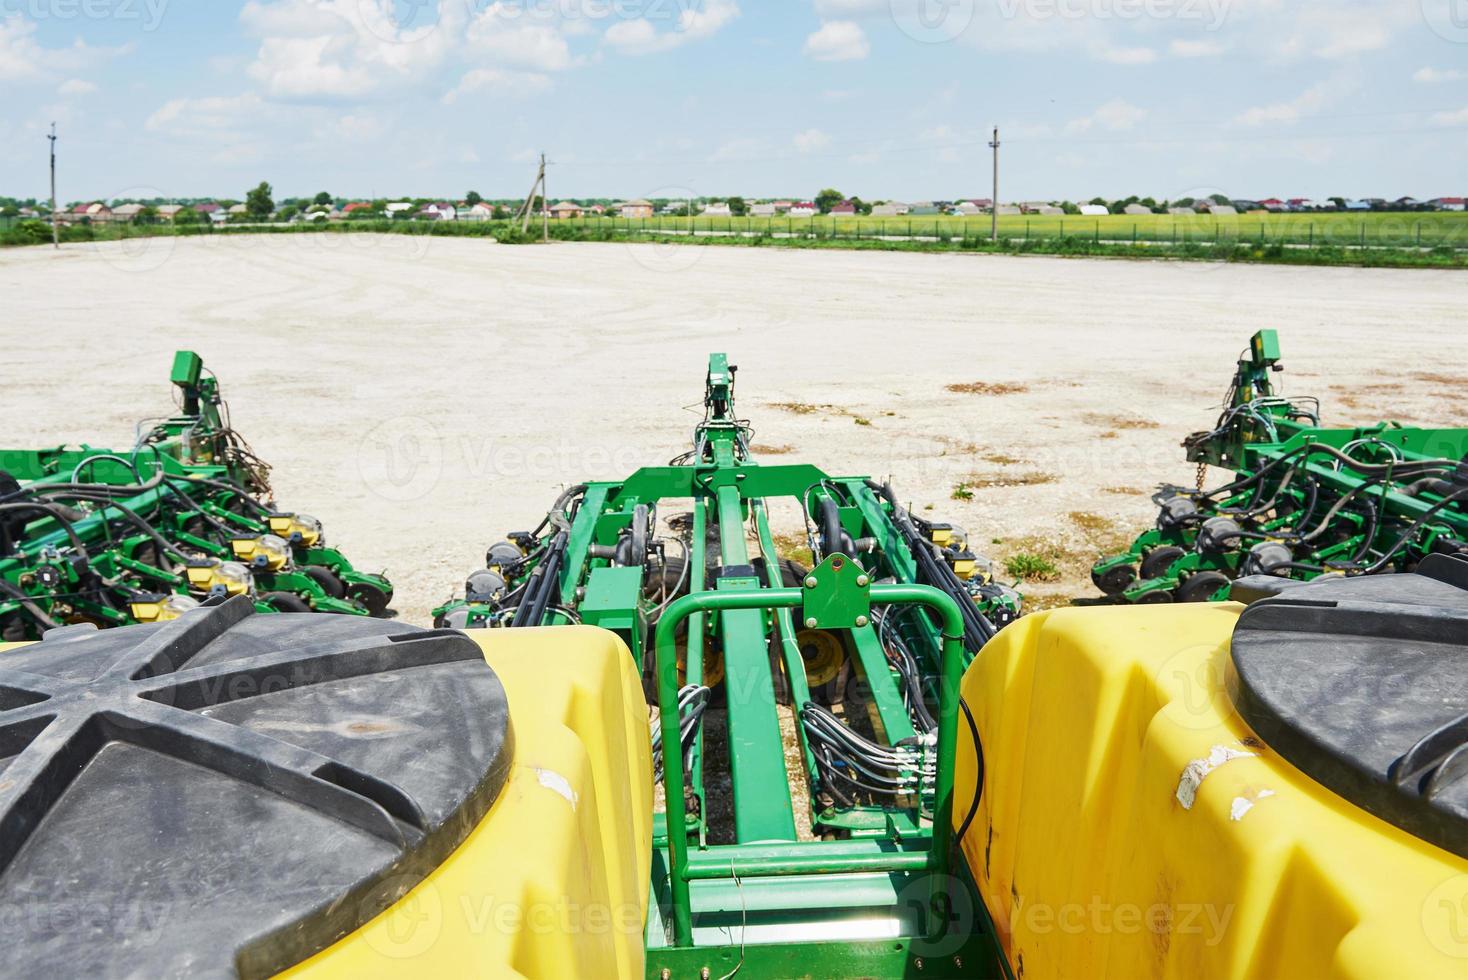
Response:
column 557, row 783
column 1242, row 804
column 1196, row 771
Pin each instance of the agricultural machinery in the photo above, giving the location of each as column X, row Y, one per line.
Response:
column 141, row 535
column 1304, row 502
column 865, row 642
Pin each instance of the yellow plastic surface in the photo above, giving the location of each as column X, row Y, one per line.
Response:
column 1098, row 727
column 554, row 881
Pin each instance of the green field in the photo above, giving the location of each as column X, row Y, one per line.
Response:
column 1427, row 229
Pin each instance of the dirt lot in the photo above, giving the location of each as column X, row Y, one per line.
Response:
column 422, row 396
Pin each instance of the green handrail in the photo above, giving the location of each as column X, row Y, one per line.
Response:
column 679, row 865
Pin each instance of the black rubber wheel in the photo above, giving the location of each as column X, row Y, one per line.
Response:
column 286, row 602
column 370, row 596
column 328, row 581
column 1116, row 580
column 1200, row 586
column 1158, row 598
column 1159, row 560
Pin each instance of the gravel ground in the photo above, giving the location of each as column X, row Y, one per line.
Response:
column 422, row 396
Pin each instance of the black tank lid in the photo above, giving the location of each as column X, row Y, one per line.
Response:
column 229, row 793
column 1362, row 684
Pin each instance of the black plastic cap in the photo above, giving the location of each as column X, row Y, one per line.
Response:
column 1360, row 684
column 227, row 794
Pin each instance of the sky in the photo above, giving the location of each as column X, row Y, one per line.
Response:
column 885, row 99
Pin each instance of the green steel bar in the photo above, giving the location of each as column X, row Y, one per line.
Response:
column 809, row 858
column 667, row 674
column 795, row 676
column 759, row 780
column 583, row 529
column 693, row 672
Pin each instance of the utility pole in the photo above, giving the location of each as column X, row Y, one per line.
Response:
column 55, row 232
column 544, row 203
column 528, row 210
column 994, row 210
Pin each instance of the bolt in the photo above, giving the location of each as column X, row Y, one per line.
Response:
column 918, row 962
column 703, row 974
column 810, row 624
column 812, row 582
column 862, row 580
column 861, row 620
column 958, row 962
column 666, row 974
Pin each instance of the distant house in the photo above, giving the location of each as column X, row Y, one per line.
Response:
column 1136, row 209
column 1094, row 210
column 1008, row 209
column 717, row 209
column 597, row 209
column 843, row 209
column 967, row 209
column 1049, row 210
column 1033, row 207
column 362, row 208
column 483, row 211
column 892, row 209
column 1272, row 204
column 1448, row 204
column 566, row 210
column 1358, row 205
column 94, row 212
column 1181, row 211
column 207, row 208
column 441, row 211
column 762, row 210
column 238, row 211
column 127, row 212
column 982, row 202
column 1222, row 210
column 923, row 208
column 637, row 209
column 781, row 207
column 169, row 211
column 802, row 209
column 1301, row 204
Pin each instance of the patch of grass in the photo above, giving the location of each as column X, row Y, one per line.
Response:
column 1119, row 421
column 962, row 492
column 1003, row 459
column 799, row 408
column 1031, row 567
column 991, row 481
column 1087, row 521
column 1455, row 381
column 988, row 388
column 762, row 450
column 861, row 421
column 1109, row 434
column 1124, row 491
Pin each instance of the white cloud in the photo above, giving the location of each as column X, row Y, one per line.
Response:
column 23, row 58
column 1436, row 76
column 1455, row 118
column 499, row 33
column 1196, row 49
column 1117, row 115
column 214, row 113
column 811, row 140
column 77, row 86
column 514, row 83
column 838, row 40
column 1321, row 95
column 840, row 9
column 1126, row 56
column 641, row 36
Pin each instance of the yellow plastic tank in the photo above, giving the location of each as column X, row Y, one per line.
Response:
column 554, row 881
column 1133, row 826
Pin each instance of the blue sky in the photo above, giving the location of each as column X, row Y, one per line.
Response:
column 881, row 98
